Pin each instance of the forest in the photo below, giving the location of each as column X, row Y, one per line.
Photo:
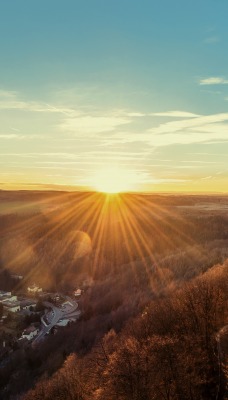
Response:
column 154, row 272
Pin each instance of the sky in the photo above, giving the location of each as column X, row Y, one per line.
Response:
column 99, row 85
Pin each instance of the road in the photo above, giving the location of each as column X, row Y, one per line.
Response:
column 56, row 313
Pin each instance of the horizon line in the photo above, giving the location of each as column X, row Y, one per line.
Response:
column 139, row 192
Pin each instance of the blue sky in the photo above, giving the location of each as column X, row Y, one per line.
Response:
column 86, row 85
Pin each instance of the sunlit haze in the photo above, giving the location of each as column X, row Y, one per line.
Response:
column 113, row 180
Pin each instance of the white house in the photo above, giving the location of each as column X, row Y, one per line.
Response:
column 34, row 289
column 77, row 292
column 19, row 277
column 2, row 293
column 12, row 306
column 30, row 332
column 7, row 296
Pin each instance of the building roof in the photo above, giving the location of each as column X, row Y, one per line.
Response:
column 78, row 292
column 17, row 276
column 3, row 293
column 11, row 304
column 63, row 322
column 29, row 330
column 6, row 297
column 27, row 302
column 34, row 287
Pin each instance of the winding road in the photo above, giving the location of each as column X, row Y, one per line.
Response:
column 56, row 314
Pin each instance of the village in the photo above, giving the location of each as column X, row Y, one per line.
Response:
column 26, row 319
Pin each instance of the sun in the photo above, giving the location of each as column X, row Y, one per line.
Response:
column 112, row 180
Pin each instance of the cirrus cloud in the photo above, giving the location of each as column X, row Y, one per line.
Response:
column 89, row 125
column 214, row 80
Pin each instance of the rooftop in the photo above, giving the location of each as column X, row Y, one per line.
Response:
column 11, row 304
column 27, row 302
column 30, row 329
column 2, row 293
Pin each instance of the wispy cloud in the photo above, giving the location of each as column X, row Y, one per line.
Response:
column 11, row 100
column 37, row 154
column 207, row 177
column 9, row 137
column 175, row 114
column 218, row 92
column 202, row 129
column 135, row 114
column 169, row 180
column 212, row 39
column 199, row 162
column 133, row 131
column 14, row 129
column 14, row 136
column 203, row 120
column 8, row 94
column 214, row 80
column 89, row 124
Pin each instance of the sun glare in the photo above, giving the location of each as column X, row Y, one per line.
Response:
column 112, row 180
